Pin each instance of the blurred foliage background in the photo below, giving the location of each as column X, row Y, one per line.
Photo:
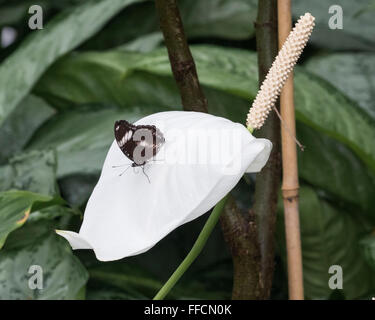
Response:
column 62, row 88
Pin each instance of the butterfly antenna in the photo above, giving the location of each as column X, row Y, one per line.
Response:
column 126, row 164
column 156, row 160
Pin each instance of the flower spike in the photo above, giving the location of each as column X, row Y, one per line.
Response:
column 279, row 72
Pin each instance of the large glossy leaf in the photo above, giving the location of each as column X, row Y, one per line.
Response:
column 318, row 104
column 18, row 128
column 231, row 70
column 367, row 244
column 140, row 285
column 352, row 73
column 76, row 188
column 20, row 71
column 323, row 107
column 221, row 19
column 15, row 208
column 333, row 167
column 330, row 237
column 144, row 43
column 132, row 279
column 15, row 12
column 37, row 244
column 353, row 36
column 111, row 77
column 32, row 171
column 92, row 77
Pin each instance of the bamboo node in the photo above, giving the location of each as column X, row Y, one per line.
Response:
column 288, row 193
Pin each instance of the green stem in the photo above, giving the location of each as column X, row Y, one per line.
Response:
column 195, row 250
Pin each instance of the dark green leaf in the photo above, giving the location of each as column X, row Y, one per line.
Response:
column 357, row 32
column 20, row 71
column 353, row 74
column 333, row 167
column 144, row 43
column 330, row 237
column 42, row 220
column 15, row 208
column 110, row 77
column 131, row 279
column 21, row 124
column 323, row 107
column 54, row 212
column 76, row 189
column 221, row 19
column 63, row 274
column 32, row 171
column 91, row 77
column 232, row 70
column 368, row 248
column 13, row 14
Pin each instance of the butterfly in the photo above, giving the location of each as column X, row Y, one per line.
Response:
column 139, row 143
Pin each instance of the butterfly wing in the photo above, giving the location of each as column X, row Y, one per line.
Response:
column 151, row 143
column 159, row 140
column 147, row 138
column 124, row 132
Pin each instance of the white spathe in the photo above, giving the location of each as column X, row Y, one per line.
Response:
column 202, row 159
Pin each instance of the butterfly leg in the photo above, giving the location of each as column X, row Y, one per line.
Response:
column 124, row 171
column 143, row 169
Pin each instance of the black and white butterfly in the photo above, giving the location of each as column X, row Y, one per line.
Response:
column 139, row 143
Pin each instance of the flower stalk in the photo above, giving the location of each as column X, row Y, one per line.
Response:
column 195, row 251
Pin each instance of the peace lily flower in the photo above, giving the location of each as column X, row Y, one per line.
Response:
column 202, row 159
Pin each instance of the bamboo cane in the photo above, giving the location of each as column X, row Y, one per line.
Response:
column 290, row 167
